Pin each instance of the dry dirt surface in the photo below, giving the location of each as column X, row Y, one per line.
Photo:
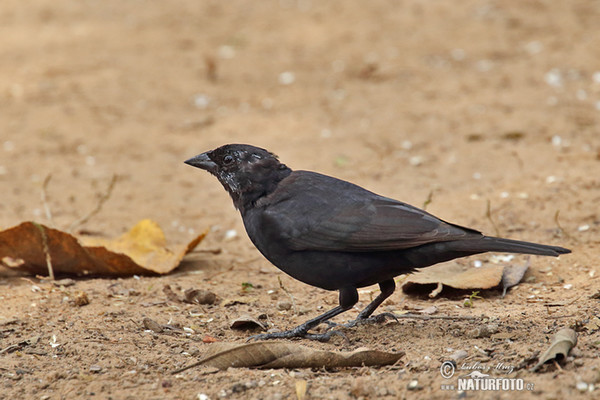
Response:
column 466, row 103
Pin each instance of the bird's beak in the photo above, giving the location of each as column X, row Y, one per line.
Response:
column 202, row 161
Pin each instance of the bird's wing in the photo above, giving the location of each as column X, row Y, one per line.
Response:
column 345, row 217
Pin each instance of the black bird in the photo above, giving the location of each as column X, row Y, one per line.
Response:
column 335, row 235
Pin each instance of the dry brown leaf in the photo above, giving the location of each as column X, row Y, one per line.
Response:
column 456, row 276
column 301, row 389
column 140, row 251
column 247, row 322
column 289, row 355
column 512, row 275
column 562, row 342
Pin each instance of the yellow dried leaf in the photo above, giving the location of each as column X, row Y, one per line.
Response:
column 142, row 250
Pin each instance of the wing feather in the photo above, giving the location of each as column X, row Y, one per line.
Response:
column 357, row 222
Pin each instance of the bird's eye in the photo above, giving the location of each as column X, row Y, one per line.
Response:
column 228, row 160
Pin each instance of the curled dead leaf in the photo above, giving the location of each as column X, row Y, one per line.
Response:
column 289, row 355
column 465, row 277
column 247, row 322
column 140, row 251
column 560, row 345
column 456, row 276
column 512, row 275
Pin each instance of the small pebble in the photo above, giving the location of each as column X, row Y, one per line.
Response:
column 287, row 78
column 152, row 325
column 582, row 386
column 459, row 355
column 284, row 305
column 95, row 368
column 413, row 385
column 81, row 299
column 199, row 296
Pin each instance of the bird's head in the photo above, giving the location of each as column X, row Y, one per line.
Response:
column 246, row 172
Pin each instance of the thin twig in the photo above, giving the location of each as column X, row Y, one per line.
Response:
column 488, row 214
column 42, row 230
column 103, row 198
column 428, row 317
column 289, row 294
column 561, row 231
column 44, row 196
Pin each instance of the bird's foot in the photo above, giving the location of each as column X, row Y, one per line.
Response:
column 379, row 318
column 298, row 332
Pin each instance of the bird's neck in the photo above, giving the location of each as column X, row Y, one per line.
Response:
column 257, row 186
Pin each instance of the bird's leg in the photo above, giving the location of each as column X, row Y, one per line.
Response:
column 387, row 288
column 348, row 298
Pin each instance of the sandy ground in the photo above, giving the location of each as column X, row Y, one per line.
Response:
column 470, row 102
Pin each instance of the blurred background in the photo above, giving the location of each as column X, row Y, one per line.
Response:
column 457, row 102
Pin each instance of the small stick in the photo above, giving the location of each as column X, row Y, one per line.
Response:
column 44, row 196
column 289, row 294
column 428, row 317
column 46, row 250
column 560, row 228
column 488, row 214
column 103, row 198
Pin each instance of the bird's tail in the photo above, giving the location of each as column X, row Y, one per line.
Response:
column 489, row 243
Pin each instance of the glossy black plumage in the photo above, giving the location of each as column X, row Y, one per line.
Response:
column 336, row 235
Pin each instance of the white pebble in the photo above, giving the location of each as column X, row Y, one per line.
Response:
column 583, row 228
column 202, row 396
column 3, row 170
column 82, row 149
column 581, row 95
column 191, row 231
column 474, row 196
column 406, row 145
column 415, row 161
column 582, row 386
column 504, row 195
column 500, row 258
column 556, row 141
column 287, row 78
column 484, row 65
column 523, row 195
column 598, row 105
column 554, row 77
column 534, row 47
column 8, row 146
column 267, row 103
column 90, row 160
column 596, row 77
column 477, row 263
column 458, row 54
column 551, row 179
column 226, row 52
column 230, row 234
column 201, row 101
column 476, row 175
column 568, row 286
column 325, row 133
